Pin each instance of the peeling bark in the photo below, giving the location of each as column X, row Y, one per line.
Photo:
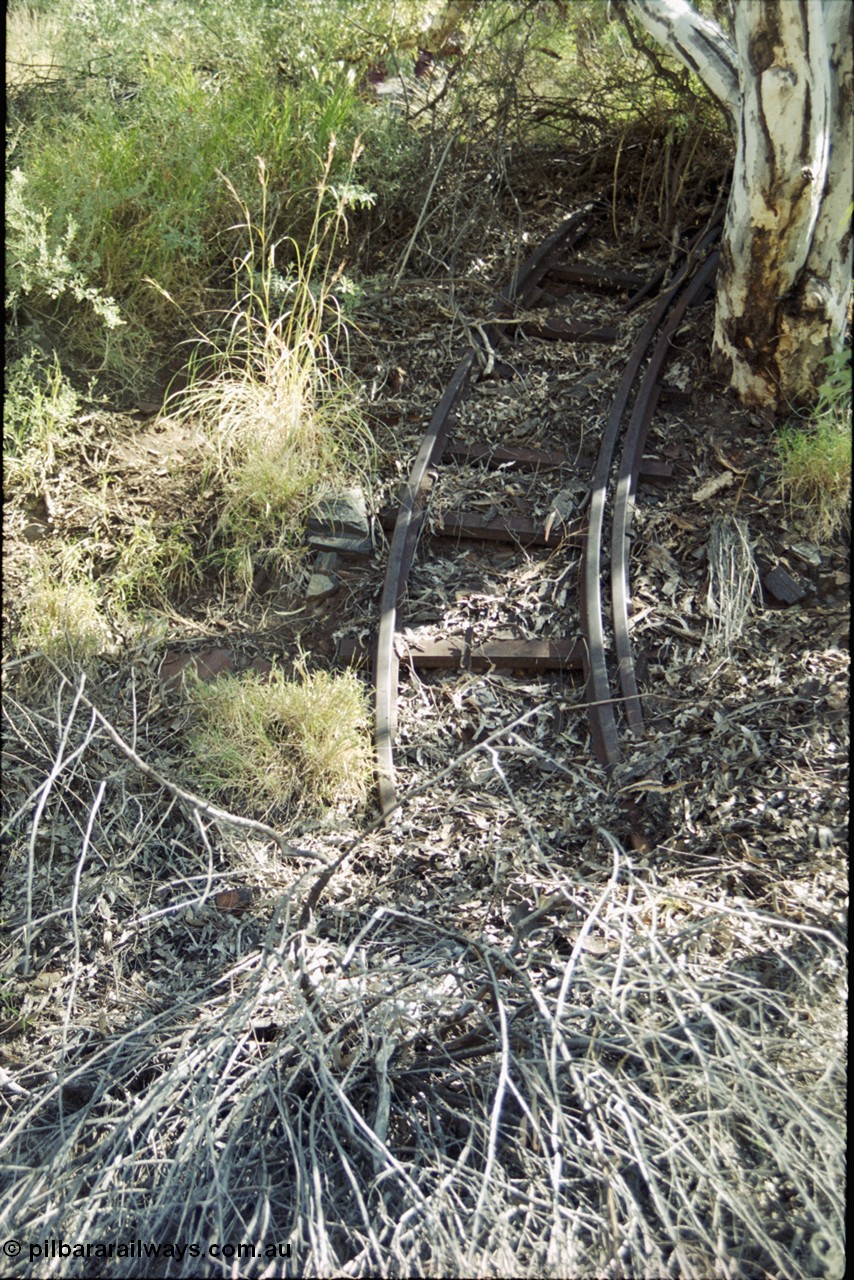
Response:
column 698, row 43
column 784, row 284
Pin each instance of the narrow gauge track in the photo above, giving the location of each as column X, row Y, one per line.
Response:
column 547, row 272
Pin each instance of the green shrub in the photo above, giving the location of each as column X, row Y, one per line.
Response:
column 815, row 458
column 39, row 408
column 43, row 263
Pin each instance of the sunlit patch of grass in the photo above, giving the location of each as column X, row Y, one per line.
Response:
column 815, row 457
column 267, row 388
column 276, row 437
column 32, row 37
column 153, row 566
column 62, row 616
column 279, row 744
column 39, row 408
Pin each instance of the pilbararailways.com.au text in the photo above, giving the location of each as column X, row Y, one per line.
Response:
column 54, row 1248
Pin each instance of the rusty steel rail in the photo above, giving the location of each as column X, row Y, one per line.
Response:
column 589, row 652
column 410, row 519
column 411, row 515
column 688, row 285
column 627, row 476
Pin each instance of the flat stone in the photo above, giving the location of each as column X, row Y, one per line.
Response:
column 340, row 523
column 172, row 669
column 324, row 581
column 207, row 666
column 780, row 584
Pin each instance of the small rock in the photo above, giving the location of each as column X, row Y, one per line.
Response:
column 233, row 899
column 34, row 531
column 323, row 581
column 808, row 553
column 321, row 586
column 216, row 662
column 585, row 386
column 341, row 523
column 207, row 666
column 782, row 586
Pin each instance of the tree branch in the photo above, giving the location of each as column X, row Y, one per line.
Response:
column 699, row 44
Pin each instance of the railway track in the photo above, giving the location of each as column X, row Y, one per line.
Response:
column 544, row 304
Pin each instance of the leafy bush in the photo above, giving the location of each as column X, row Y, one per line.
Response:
column 43, row 263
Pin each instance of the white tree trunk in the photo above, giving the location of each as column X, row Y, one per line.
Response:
column 784, row 285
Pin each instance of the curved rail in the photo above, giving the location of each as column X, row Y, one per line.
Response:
column 410, row 517
column 603, row 722
column 636, row 432
column 668, row 312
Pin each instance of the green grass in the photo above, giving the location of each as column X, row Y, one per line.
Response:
column 267, row 387
column 146, row 202
column 279, row 744
column 154, row 566
column 39, row 411
column 126, row 189
column 63, row 615
column 815, row 457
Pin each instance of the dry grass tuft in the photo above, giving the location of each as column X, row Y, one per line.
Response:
column 62, row 616
column 733, row 582
column 266, row 386
column 31, row 40
column 283, row 744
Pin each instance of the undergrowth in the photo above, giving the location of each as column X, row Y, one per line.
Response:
column 634, row 1076
column 154, row 566
column 120, row 187
column 815, row 456
column 497, row 1050
column 129, row 179
column 266, row 383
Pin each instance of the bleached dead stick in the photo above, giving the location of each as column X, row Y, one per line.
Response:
column 188, row 797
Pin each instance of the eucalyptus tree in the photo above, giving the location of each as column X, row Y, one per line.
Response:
column 783, row 75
